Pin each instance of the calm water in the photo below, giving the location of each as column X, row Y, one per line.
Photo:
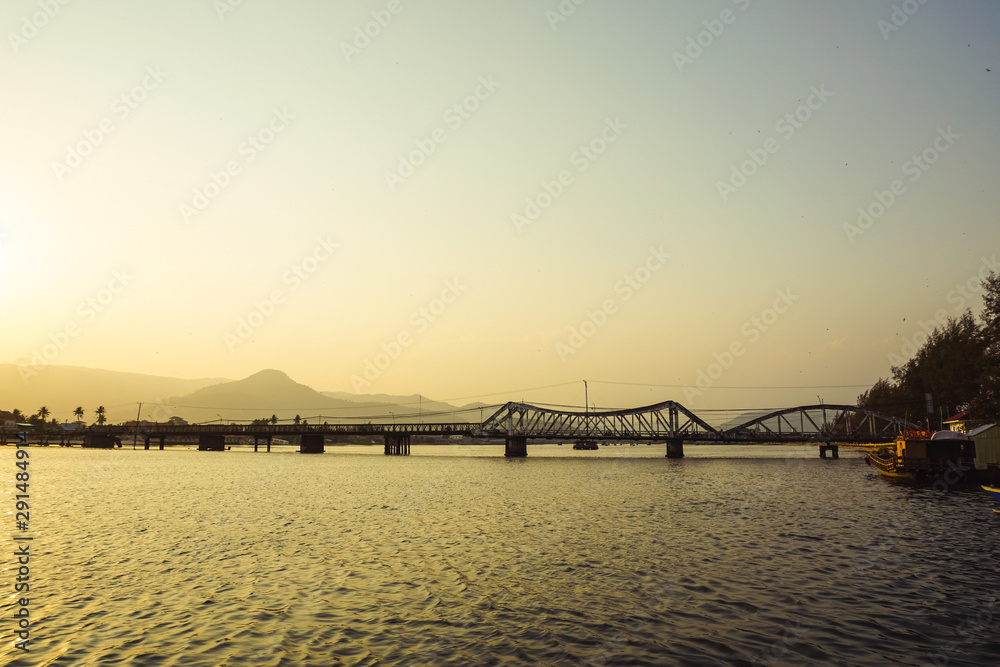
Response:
column 458, row 556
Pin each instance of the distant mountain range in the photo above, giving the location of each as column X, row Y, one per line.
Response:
column 269, row 392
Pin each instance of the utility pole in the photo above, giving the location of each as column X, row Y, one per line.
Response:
column 586, row 406
column 135, row 433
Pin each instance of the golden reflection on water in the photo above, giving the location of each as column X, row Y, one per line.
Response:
column 459, row 556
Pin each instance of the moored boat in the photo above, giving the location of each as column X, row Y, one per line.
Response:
column 921, row 456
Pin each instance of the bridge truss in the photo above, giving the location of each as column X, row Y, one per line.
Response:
column 663, row 421
column 823, row 423
column 672, row 421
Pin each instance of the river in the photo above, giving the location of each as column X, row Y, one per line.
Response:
column 458, row 556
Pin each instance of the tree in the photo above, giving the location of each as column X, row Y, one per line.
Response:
column 986, row 404
column 43, row 412
column 78, row 413
column 958, row 365
column 298, row 420
column 100, row 415
column 949, row 367
column 991, row 304
column 884, row 396
column 274, row 420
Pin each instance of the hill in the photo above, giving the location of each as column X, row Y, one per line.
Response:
column 62, row 388
column 269, row 392
column 272, row 392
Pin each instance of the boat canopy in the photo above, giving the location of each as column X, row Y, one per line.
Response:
column 949, row 435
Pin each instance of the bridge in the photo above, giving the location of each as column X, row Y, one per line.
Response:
column 517, row 423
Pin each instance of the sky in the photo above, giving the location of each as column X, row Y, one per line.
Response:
column 728, row 204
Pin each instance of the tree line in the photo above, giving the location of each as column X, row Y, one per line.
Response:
column 958, row 366
column 40, row 418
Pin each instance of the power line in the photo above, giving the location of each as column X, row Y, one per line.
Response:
column 715, row 386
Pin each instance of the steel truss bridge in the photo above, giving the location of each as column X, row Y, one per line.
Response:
column 516, row 423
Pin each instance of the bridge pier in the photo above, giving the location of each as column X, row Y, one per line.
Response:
column 160, row 439
column 312, row 443
column 833, row 449
column 397, row 444
column 515, row 447
column 99, row 441
column 675, row 449
column 211, row 442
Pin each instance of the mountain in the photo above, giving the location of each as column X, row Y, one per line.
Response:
column 62, row 388
column 266, row 390
column 415, row 404
column 272, row 392
column 269, row 392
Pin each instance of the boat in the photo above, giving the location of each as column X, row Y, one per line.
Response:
column 920, row 456
column 585, row 444
column 995, row 493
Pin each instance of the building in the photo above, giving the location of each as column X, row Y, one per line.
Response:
column 987, row 439
column 957, row 423
column 7, row 421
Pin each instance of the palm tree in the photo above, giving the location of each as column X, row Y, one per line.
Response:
column 43, row 412
column 78, row 413
column 274, row 419
column 100, row 415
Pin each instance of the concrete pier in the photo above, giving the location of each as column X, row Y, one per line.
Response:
column 675, row 449
column 161, row 441
column 515, row 447
column 312, row 443
column 211, row 442
column 99, row 441
column 833, row 449
column 397, row 444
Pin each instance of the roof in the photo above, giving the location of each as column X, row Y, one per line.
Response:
column 961, row 416
column 982, row 429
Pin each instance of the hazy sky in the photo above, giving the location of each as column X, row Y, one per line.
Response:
column 497, row 195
